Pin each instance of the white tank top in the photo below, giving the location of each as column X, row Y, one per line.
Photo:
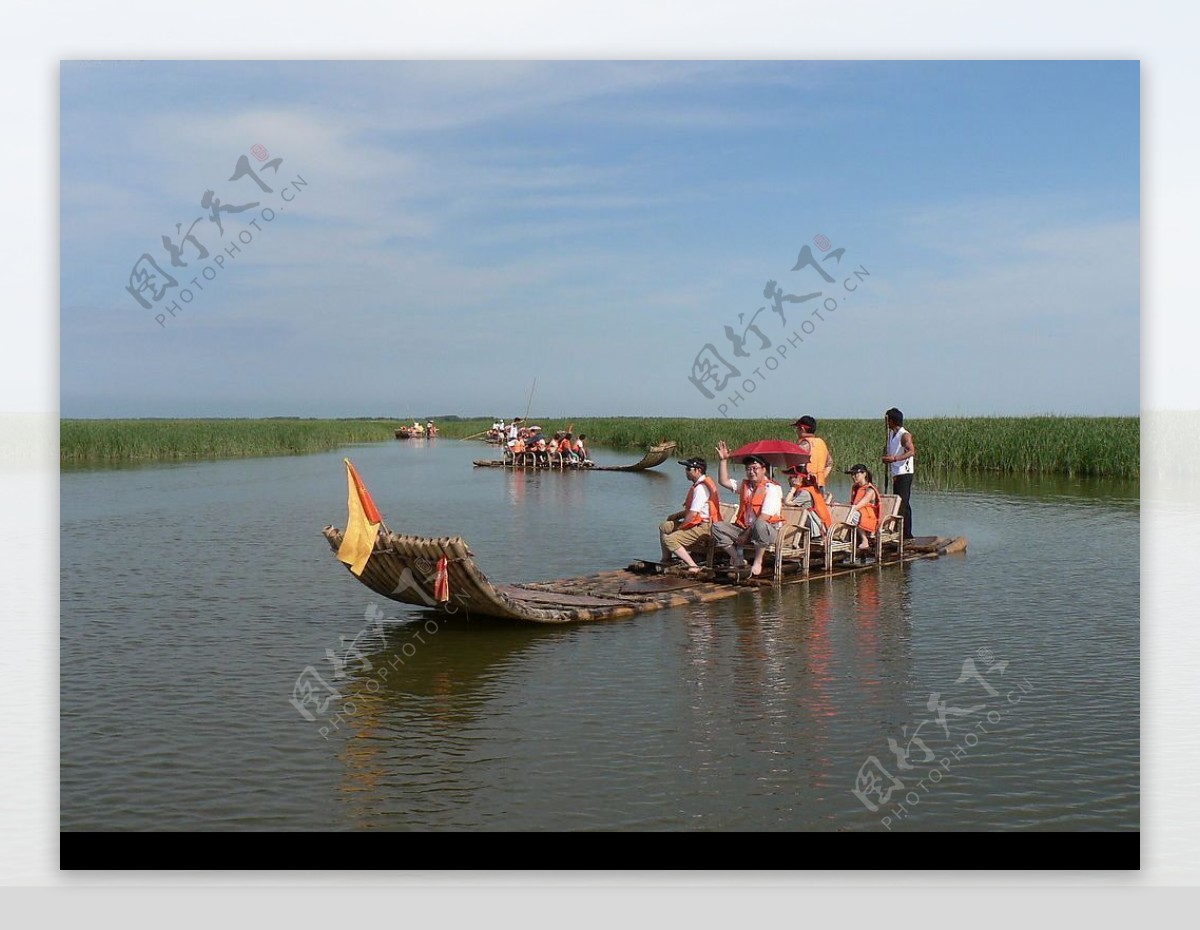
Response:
column 894, row 448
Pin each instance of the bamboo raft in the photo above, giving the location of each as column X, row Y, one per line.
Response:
column 655, row 456
column 404, row 568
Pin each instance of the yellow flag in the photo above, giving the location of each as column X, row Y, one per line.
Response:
column 359, row 540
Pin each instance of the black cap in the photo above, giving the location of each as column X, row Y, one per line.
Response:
column 800, row 469
column 756, row 458
column 854, row 469
column 807, row 421
column 694, row 462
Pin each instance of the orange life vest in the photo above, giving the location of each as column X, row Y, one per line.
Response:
column 714, row 504
column 818, row 458
column 868, row 516
column 754, row 503
column 819, row 507
column 564, row 447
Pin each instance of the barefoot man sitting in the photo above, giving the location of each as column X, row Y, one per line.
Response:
column 701, row 509
column 760, row 510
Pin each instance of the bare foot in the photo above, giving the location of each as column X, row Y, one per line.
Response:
column 755, row 569
column 693, row 569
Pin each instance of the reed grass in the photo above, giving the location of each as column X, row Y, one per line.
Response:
column 1075, row 446
column 101, row 441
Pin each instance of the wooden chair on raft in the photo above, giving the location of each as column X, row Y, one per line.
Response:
column 797, row 541
column 891, row 526
column 788, row 538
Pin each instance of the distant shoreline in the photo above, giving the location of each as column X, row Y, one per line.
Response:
column 1067, row 445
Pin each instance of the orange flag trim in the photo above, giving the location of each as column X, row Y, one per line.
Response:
column 362, row 523
column 364, row 496
column 441, row 583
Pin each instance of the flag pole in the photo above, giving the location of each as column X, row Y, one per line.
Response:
column 887, row 469
column 529, row 406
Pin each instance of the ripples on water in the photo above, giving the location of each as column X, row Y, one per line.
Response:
column 194, row 597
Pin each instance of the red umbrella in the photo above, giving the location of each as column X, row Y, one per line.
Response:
column 778, row 452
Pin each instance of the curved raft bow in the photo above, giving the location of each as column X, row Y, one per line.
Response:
column 440, row 573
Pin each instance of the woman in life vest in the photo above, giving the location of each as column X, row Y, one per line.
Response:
column 760, row 506
column 805, row 492
column 864, row 499
column 693, row 524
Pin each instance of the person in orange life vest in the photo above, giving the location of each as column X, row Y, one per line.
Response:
column 759, row 511
column 564, row 448
column 820, row 462
column 581, row 448
column 804, row 493
column 701, row 509
column 864, row 499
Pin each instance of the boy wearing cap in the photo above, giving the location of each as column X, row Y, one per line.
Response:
column 759, row 513
column 820, row 461
column 701, row 510
column 804, row 493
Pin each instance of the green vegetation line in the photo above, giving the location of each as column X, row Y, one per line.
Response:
column 1086, row 446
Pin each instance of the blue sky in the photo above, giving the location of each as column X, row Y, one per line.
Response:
column 466, row 227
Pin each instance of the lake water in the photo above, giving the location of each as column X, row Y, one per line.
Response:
column 200, row 601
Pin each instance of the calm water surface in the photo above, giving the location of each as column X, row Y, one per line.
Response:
column 200, row 600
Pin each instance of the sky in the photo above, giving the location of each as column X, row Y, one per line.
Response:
column 956, row 238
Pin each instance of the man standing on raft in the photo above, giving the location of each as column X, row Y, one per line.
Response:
column 899, row 455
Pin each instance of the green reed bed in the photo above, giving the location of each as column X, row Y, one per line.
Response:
column 98, row 441
column 1085, row 446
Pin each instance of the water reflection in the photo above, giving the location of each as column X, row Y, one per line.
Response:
column 408, row 719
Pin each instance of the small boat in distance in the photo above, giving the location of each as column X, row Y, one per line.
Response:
column 655, row 456
column 417, row 431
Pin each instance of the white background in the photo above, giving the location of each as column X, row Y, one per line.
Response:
column 1162, row 35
